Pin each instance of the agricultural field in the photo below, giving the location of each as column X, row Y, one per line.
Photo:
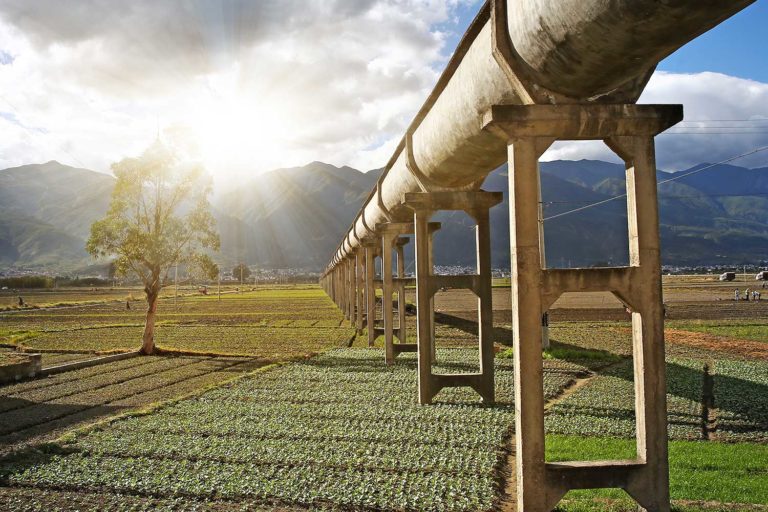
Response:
column 38, row 410
column 205, row 341
column 340, row 429
column 268, row 399
column 64, row 297
column 270, row 323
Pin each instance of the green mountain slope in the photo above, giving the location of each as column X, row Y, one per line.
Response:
column 295, row 217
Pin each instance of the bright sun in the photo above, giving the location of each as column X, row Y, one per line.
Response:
column 236, row 135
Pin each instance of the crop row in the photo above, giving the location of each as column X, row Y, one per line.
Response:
column 340, row 444
column 67, row 322
column 180, row 388
column 307, row 307
column 95, row 382
column 304, row 426
column 74, row 375
column 54, row 359
column 606, row 405
column 30, row 499
column 263, row 341
column 615, row 338
column 305, row 484
column 38, row 413
column 293, row 451
column 741, row 400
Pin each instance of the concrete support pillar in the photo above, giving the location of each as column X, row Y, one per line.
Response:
column 401, row 330
column 431, row 230
column 484, row 302
column 476, row 204
column 343, row 289
column 340, row 285
column 650, row 487
column 387, row 240
column 351, row 286
column 628, row 130
column 334, row 296
column 390, row 240
column 370, row 291
column 344, row 271
column 359, row 289
column 423, row 305
column 526, row 321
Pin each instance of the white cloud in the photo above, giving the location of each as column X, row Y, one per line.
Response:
column 89, row 82
column 716, row 107
column 320, row 80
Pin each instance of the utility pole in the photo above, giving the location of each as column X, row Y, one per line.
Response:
column 545, row 316
column 176, row 286
column 219, row 291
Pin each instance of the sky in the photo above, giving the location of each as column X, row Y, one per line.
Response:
column 251, row 86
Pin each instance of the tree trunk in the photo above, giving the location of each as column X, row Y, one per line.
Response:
column 148, row 341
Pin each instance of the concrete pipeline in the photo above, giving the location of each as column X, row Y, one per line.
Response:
column 527, row 52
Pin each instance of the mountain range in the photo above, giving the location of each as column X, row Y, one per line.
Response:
column 294, row 217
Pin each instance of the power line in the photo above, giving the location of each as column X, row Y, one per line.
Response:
column 675, row 178
column 715, row 133
column 700, row 196
column 763, row 120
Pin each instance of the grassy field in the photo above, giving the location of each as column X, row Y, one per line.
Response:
column 270, row 323
column 740, row 329
column 342, row 431
column 699, row 472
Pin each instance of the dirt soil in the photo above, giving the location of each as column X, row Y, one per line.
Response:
column 743, row 348
column 39, row 410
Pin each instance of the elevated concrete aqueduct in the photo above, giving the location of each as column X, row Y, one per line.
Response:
column 527, row 73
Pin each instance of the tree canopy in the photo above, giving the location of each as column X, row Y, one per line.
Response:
column 159, row 216
column 241, row 272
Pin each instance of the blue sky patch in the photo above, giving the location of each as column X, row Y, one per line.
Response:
column 10, row 117
column 6, row 58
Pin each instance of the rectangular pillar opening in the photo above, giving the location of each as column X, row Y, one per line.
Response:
column 583, row 225
column 593, row 417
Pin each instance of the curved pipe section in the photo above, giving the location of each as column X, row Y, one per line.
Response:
column 527, row 51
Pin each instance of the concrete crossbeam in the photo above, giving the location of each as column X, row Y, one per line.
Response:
column 629, row 130
column 476, row 204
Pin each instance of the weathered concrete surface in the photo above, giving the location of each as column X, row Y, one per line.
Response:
column 28, row 368
column 577, row 49
column 529, row 131
column 477, row 204
column 586, row 47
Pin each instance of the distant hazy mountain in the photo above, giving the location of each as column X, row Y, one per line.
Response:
column 46, row 211
column 295, row 217
column 291, row 217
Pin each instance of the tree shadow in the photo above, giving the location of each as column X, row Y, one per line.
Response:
column 30, row 420
column 501, row 335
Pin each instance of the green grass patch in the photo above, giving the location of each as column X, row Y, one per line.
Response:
column 568, row 354
column 699, row 471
